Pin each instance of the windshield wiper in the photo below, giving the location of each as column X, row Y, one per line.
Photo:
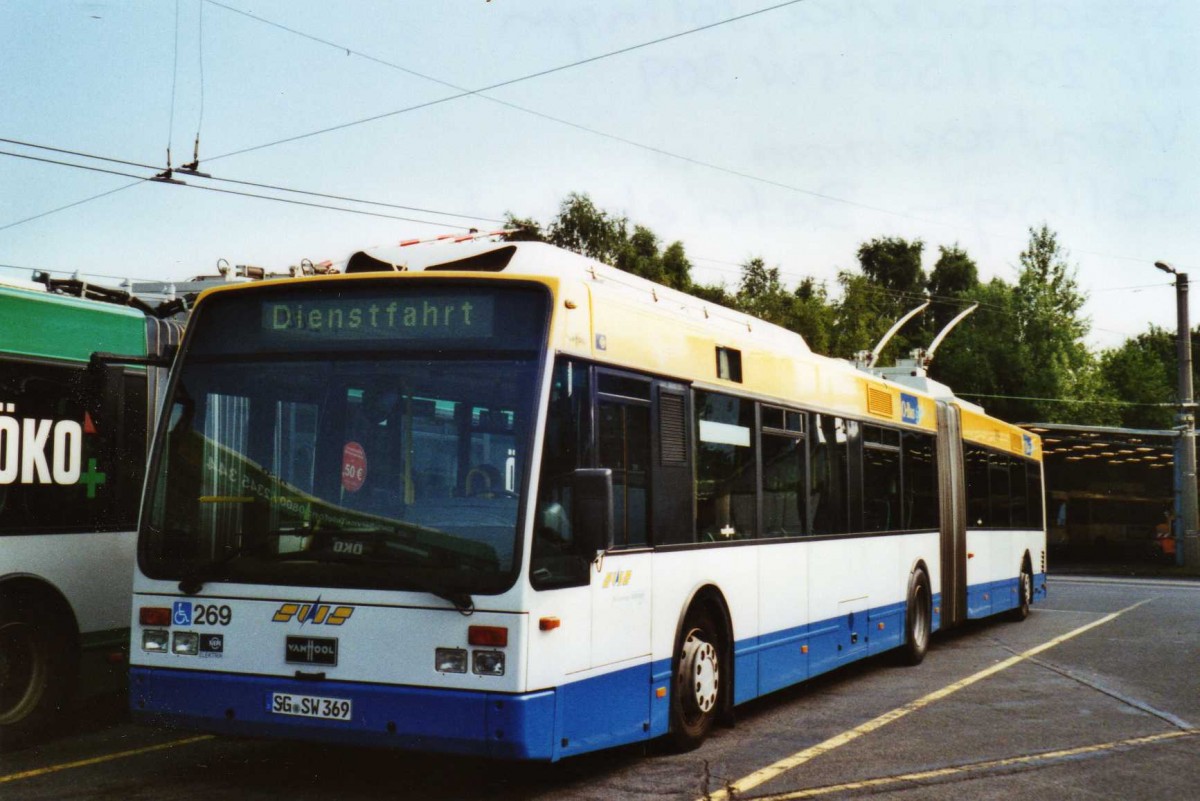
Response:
column 194, row 579
column 462, row 601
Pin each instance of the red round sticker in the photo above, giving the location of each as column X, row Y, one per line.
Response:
column 354, row 467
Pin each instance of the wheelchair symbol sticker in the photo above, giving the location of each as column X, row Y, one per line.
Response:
column 181, row 613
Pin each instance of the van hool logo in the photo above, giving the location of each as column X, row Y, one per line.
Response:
column 43, row 451
column 311, row 651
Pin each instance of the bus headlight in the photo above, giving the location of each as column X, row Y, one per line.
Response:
column 155, row 640
column 450, row 660
column 186, row 643
column 488, row 663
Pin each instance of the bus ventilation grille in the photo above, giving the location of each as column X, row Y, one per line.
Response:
column 672, row 437
column 879, row 402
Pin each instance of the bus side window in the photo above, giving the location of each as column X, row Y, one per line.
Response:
column 881, row 479
column 726, row 477
column 830, row 468
column 624, row 446
column 921, row 506
column 784, row 473
column 977, row 486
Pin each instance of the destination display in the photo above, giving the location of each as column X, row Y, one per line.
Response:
column 442, row 316
column 452, row 315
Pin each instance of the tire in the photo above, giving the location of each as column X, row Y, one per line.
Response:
column 1025, row 588
column 918, row 619
column 36, row 661
column 697, row 683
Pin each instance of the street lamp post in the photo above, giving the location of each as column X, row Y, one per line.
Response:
column 1187, row 552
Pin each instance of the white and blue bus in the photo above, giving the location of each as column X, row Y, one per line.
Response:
column 497, row 498
column 73, row 447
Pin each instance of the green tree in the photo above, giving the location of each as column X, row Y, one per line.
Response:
column 893, row 263
column 811, row 315
column 982, row 360
column 891, row 283
column 522, row 229
column 716, row 294
column 639, row 255
column 954, row 275
column 1052, row 330
column 1142, row 372
column 676, row 269
column 582, row 227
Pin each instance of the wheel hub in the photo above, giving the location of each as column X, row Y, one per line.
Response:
column 699, row 672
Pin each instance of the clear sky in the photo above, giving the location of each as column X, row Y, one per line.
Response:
column 795, row 134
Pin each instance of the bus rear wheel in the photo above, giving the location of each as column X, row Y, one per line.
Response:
column 1025, row 588
column 34, row 658
column 918, row 619
column 697, row 682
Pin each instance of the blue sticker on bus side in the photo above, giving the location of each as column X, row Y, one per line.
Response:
column 1028, row 444
column 910, row 408
column 181, row 613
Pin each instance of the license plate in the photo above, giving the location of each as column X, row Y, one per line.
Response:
column 310, row 706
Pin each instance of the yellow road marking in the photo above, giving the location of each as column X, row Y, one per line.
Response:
column 978, row 767
column 799, row 758
column 83, row 763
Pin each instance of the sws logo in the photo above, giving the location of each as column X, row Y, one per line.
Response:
column 311, row 651
column 618, row 578
column 316, row 613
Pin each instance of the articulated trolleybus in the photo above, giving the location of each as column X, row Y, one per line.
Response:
column 498, row 498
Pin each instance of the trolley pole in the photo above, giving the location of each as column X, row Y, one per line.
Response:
column 1187, row 551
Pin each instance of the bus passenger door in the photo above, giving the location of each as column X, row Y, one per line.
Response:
column 621, row 580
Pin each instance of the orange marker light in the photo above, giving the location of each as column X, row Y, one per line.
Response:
column 661, row 692
column 493, row 636
column 881, row 627
column 804, row 649
column 549, row 623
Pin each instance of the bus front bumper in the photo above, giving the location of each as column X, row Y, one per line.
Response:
column 499, row 725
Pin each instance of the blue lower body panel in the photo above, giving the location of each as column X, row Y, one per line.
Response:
column 992, row 598
column 616, row 708
column 417, row 718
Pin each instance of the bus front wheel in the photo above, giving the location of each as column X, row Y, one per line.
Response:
column 697, row 681
column 34, row 655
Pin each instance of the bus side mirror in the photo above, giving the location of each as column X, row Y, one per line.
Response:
column 592, row 509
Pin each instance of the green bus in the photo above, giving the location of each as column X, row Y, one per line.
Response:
column 73, row 443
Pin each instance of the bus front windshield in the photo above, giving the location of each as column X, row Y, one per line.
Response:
column 385, row 459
